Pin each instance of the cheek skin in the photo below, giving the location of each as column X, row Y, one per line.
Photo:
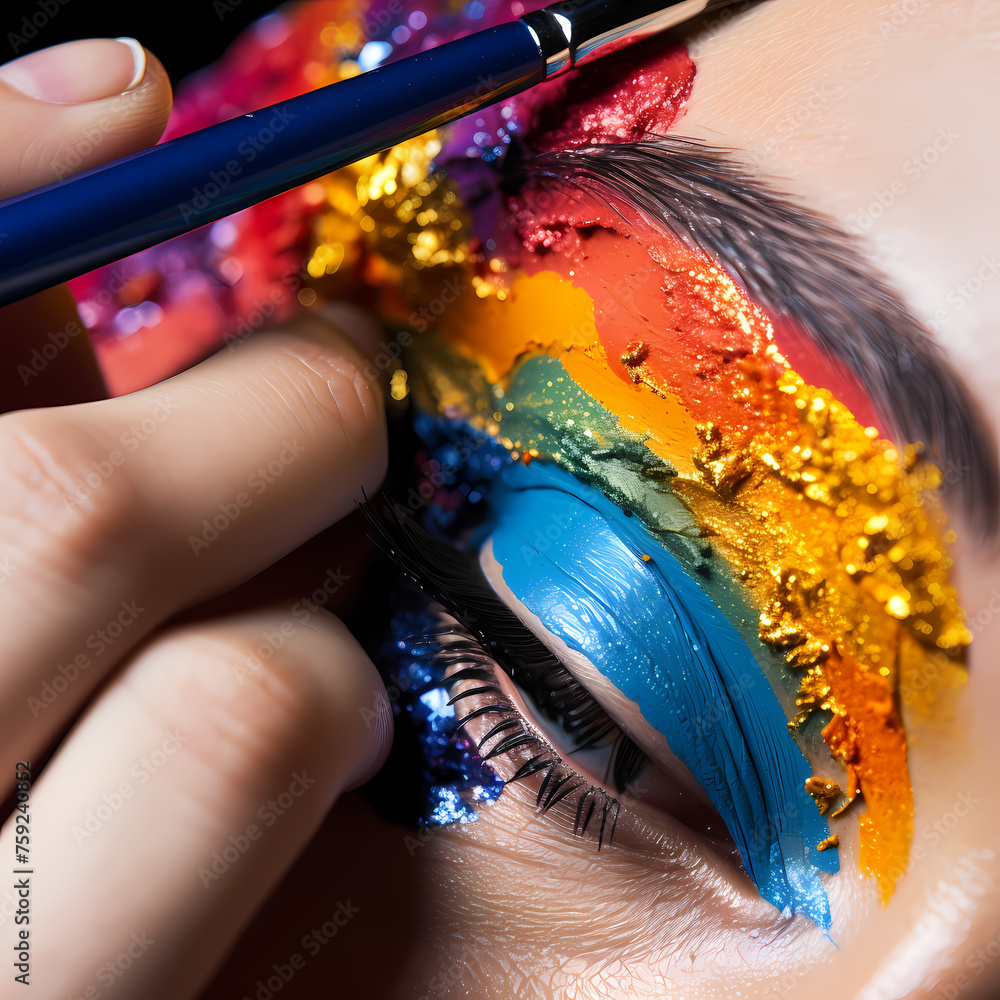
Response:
column 846, row 108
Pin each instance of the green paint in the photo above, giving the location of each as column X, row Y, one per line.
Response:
column 545, row 409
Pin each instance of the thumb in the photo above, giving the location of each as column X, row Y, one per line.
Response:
column 76, row 105
column 64, row 109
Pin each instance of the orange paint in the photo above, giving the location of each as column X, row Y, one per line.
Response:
column 538, row 313
column 670, row 431
column 866, row 734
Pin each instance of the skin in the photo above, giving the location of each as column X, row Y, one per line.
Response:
column 514, row 904
column 178, row 734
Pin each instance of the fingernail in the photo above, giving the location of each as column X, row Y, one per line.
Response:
column 76, row 72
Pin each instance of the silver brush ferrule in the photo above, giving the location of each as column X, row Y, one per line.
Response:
column 575, row 32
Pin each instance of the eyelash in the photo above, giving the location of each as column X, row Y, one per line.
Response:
column 558, row 780
column 494, row 635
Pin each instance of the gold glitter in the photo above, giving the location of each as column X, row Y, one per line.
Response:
column 635, row 354
column 836, row 535
column 832, row 841
column 389, row 219
column 398, row 387
column 824, row 792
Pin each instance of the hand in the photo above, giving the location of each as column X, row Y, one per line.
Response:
column 194, row 761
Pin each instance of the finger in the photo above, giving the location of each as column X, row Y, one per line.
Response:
column 45, row 354
column 65, row 109
column 184, row 794
column 116, row 514
column 73, row 106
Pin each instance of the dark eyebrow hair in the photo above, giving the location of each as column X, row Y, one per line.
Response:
column 797, row 264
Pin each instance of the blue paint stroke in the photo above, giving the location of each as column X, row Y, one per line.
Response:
column 575, row 560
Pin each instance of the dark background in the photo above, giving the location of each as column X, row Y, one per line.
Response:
column 184, row 34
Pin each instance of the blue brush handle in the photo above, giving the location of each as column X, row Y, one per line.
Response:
column 101, row 215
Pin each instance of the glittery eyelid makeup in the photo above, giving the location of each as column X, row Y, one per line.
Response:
column 650, row 629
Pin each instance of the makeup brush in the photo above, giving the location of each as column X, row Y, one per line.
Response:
column 106, row 213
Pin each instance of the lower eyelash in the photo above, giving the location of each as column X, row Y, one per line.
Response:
column 516, row 740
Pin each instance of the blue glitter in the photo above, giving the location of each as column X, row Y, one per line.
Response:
column 449, row 807
column 455, row 779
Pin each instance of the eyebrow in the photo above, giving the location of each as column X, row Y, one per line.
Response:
column 799, row 265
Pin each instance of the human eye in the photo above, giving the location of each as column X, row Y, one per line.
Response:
column 715, row 550
column 625, row 611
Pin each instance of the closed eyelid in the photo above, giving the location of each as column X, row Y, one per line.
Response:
column 687, row 661
column 621, row 708
column 648, row 626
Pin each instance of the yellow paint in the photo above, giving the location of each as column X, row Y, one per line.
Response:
column 539, row 313
column 671, row 432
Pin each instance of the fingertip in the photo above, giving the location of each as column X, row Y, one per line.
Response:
column 77, row 105
column 145, row 107
column 360, row 700
column 138, row 60
column 267, row 688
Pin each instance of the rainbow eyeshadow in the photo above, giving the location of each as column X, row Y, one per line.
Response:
column 817, row 541
column 734, row 547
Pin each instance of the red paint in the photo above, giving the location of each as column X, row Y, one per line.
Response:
column 639, row 279
column 629, row 95
column 643, row 292
column 817, row 369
